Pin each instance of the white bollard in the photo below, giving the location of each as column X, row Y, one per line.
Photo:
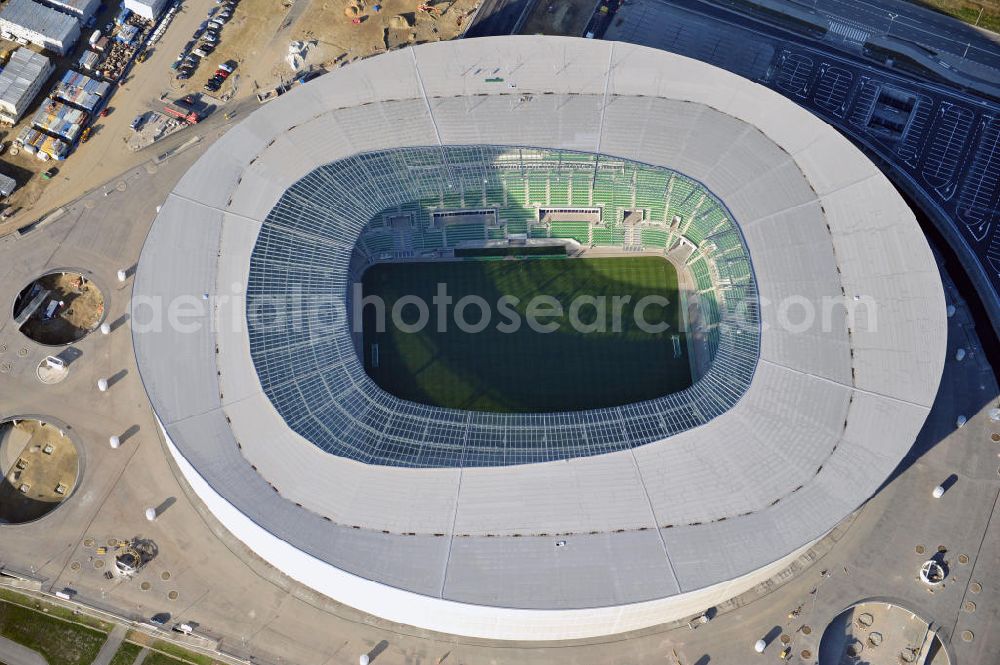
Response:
column 102, row 385
column 105, row 328
column 114, row 441
column 122, row 275
column 759, row 646
column 151, row 514
column 960, row 355
column 364, row 660
column 938, row 492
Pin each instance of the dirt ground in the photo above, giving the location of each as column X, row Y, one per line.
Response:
column 559, row 17
column 82, row 310
column 24, row 167
column 43, row 472
column 258, row 37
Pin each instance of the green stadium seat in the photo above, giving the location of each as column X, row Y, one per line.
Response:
column 579, row 231
column 654, row 237
column 458, row 233
column 580, row 194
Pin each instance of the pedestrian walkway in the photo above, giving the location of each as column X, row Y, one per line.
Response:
column 141, row 657
column 851, row 33
column 110, row 647
column 13, row 653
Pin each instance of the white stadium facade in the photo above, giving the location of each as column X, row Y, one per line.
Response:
column 553, row 525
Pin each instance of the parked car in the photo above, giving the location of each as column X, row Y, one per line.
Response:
column 228, row 66
column 214, row 25
column 221, row 74
column 138, row 122
column 211, row 38
column 183, row 76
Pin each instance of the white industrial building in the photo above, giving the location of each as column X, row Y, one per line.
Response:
column 7, row 185
column 20, row 81
column 29, row 21
column 147, row 9
column 81, row 9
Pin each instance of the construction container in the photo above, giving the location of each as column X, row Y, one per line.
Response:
column 89, row 61
column 7, row 185
column 61, row 120
column 127, row 34
column 80, row 91
column 41, row 145
column 20, row 81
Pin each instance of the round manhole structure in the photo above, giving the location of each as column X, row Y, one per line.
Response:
column 850, row 637
column 60, row 307
column 41, row 466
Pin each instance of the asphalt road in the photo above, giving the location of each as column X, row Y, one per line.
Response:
column 497, row 17
column 909, row 21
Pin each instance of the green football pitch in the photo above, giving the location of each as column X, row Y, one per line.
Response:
column 514, row 368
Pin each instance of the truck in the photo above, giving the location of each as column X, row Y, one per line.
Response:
column 181, row 111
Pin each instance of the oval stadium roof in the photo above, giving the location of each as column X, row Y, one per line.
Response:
column 652, row 532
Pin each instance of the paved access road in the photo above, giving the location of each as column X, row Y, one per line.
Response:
column 497, row 17
column 12, row 653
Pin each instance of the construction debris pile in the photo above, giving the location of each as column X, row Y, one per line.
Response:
column 127, row 38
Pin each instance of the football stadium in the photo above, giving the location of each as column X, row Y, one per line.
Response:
column 744, row 333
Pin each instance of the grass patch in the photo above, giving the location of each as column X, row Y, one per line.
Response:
column 55, row 610
column 968, row 11
column 157, row 658
column 527, row 370
column 59, row 641
column 126, row 654
column 176, row 654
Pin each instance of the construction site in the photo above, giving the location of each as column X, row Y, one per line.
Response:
column 40, row 466
column 114, row 93
column 59, row 308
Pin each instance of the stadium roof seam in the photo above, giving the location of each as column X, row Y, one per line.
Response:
column 855, row 388
column 604, row 101
column 652, row 513
column 454, row 521
column 423, row 94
